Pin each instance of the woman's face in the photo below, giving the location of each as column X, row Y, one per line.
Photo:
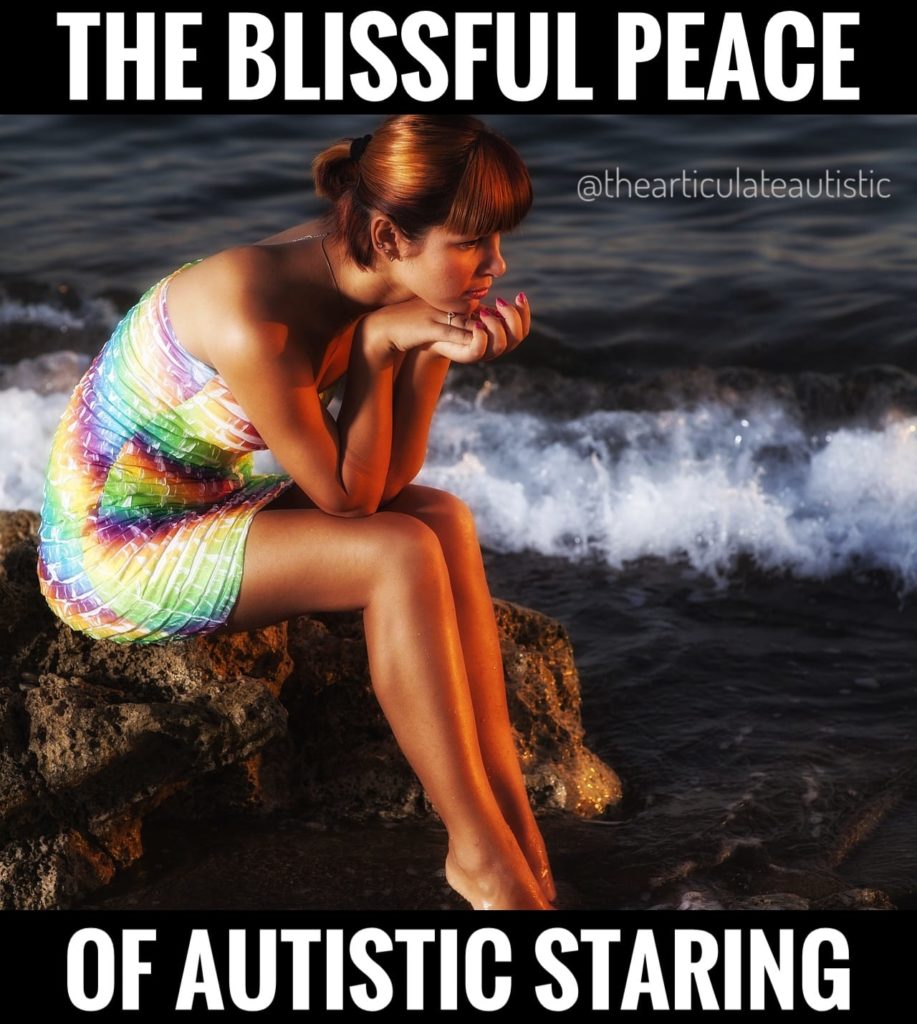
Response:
column 451, row 272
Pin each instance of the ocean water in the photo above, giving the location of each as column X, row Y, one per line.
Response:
column 703, row 460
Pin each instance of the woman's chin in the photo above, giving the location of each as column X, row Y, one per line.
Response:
column 462, row 306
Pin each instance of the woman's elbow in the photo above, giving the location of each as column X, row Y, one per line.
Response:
column 355, row 511
column 346, row 506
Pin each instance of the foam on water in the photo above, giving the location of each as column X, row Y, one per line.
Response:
column 43, row 313
column 705, row 484
column 45, row 373
column 698, row 484
column 27, row 422
column 81, row 312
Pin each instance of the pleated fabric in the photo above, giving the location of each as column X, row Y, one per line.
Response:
column 149, row 489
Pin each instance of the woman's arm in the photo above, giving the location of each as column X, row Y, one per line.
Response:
column 341, row 464
column 364, row 422
column 419, row 378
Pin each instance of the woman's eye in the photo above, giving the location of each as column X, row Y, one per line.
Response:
column 469, row 244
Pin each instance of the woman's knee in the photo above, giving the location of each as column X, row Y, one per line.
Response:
column 442, row 511
column 407, row 545
column 452, row 506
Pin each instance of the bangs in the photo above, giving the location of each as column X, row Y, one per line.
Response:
column 494, row 193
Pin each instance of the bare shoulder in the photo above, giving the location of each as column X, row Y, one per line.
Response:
column 222, row 299
column 237, row 280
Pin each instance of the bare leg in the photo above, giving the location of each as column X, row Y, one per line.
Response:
column 393, row 567
column 452, row 521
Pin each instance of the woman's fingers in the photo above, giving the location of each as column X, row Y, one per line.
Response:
column 508, row 325
column 518, row 319
column 486, row 335
column 525, row 311
column 470, row 346
column 496, row 334
column 470, row 339
column 512, row 317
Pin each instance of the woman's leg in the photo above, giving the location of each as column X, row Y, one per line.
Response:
column 453, row 523
column 393, row 567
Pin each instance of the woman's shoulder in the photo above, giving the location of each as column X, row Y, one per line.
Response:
column 213, row 298
column 242, row 273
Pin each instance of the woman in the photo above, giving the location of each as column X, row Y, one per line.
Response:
column 155, row 527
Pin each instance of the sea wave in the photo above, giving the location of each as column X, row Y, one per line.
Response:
column 710, row 482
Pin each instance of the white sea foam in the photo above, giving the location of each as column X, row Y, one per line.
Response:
column 44, row 314
column 14, row 312
column 27, row 422
column 45, row 373
column 700, row 485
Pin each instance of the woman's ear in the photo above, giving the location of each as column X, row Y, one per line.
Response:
column 384, row 234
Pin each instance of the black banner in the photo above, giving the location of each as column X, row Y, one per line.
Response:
column 691, row 58
column 276, row 965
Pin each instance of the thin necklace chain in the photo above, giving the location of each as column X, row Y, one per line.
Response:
column 330, row 268
column 322, row 236
column 300, row 238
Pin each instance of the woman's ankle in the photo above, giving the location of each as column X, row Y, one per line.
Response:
column 494, row 884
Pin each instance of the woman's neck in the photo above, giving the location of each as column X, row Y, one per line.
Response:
column 363, row 290
column 315, row 261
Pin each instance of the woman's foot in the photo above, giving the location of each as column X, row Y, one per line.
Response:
column 530, row 841
column 494, row 884
column 518, row 814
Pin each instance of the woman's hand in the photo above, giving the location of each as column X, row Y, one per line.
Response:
column 506, row 326
column 416, row 324
column 485, row 335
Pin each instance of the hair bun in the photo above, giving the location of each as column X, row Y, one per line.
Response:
column 358, row 147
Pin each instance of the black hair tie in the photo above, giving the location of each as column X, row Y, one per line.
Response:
column 358, row 147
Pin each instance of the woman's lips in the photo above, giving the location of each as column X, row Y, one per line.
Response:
column 477, row 293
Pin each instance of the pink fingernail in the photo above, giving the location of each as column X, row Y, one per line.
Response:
column 502, row 302
column 521, row 298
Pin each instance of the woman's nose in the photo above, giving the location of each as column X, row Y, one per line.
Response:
column 493, row 261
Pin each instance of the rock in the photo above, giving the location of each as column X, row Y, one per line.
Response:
column 543, row 689
column 96, row 737
column 855, row 899
column 771, row 901
column 95, row 746
column 20, row 785
column 48, row 871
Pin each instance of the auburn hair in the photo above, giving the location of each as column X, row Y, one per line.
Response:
column 422, row 171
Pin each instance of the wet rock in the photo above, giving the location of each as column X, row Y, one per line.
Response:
column 98, row 737
column 855, row 899
column 772, row 901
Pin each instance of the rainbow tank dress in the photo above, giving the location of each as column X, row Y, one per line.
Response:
column 150, row 489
